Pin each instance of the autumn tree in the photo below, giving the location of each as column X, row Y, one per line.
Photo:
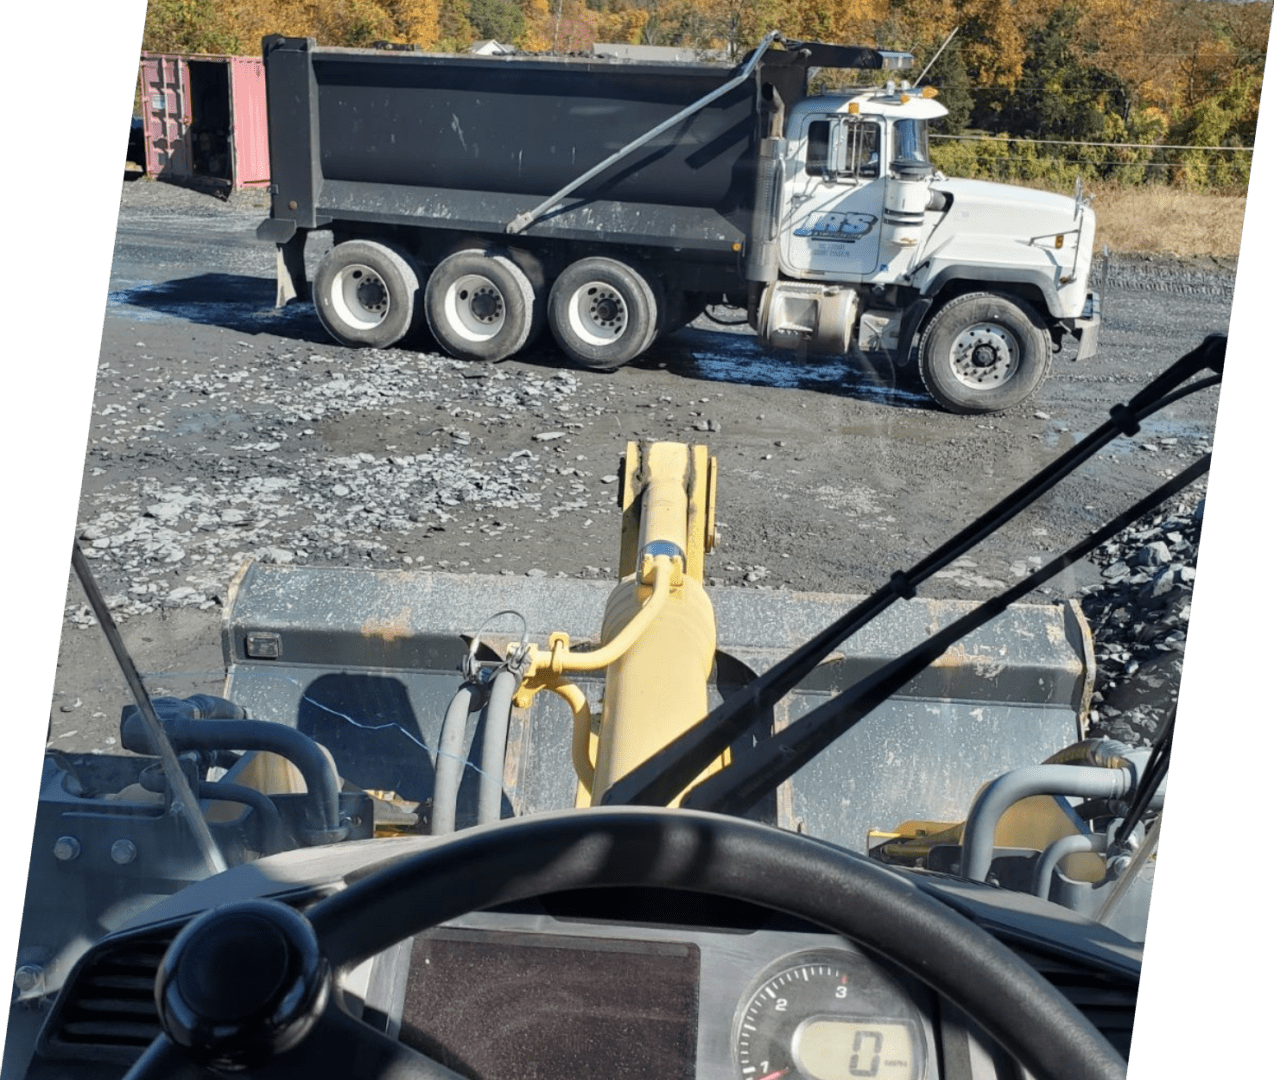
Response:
column 188, row 26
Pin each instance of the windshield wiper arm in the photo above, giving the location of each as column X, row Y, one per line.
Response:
column 736, row 788
column 159, row 740
column 659, row 779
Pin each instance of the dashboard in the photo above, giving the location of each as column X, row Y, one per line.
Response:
column 624, row 983
column 735, row 993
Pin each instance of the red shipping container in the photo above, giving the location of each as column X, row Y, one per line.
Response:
column 205, row 117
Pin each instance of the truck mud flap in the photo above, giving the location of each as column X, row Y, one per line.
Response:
column 367, row 661
column 1088, row 327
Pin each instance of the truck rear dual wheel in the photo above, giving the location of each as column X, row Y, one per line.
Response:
column 481, row 306
column 984, row 352
column 604, row 313
column 367, row 293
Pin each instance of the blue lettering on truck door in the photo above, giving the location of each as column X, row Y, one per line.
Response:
column 836, row 225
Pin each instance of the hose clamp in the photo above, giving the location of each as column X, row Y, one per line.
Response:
column 646, row 561
column 663, row 547
column 471, row 667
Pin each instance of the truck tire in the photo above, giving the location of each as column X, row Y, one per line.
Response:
column 604, row 313
column 367, row 293
column 481, row 306
column 983, row 352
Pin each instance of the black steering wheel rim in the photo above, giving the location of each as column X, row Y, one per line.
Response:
column 845, row 893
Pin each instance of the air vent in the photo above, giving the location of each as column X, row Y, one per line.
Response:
column 1109, row 1001
column 108, row 1010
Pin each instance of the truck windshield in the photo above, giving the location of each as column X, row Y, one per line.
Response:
column 912, row 141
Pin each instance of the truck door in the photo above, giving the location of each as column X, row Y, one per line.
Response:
column 831, row 225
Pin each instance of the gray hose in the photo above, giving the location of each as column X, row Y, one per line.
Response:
column 273, row 834
column 187, row 734
column 449, row 764
column 987, row 809
column 494, row 743
column 1057, row 851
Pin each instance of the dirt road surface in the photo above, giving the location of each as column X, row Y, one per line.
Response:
column 224, row 429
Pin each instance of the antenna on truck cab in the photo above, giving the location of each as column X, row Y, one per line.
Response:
column 921, row 77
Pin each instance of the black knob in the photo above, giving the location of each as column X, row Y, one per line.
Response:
column 242, row 983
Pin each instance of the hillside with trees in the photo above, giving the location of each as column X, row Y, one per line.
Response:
column 1129, row 91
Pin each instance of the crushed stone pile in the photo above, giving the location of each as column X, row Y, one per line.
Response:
column 1139, row 614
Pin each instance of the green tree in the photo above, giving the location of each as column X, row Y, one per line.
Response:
column 1059, row 96
column 499, row 19
column 948, row 75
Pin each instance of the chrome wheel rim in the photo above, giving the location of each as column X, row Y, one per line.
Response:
column 359, row 296
column 475, row 307
column 597, row 314
column 985, row 355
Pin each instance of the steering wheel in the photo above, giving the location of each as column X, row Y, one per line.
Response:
column 249, row 985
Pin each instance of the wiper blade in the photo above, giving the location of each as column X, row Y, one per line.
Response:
column 736, row 789
column 659, row 779
column 167, row 755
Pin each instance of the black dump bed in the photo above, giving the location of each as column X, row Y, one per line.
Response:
column 467, row 143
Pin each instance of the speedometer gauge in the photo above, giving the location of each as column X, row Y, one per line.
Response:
column 828, row 1016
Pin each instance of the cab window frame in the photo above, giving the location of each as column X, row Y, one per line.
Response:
column 820, row 143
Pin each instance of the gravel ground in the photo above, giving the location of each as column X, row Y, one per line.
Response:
column 223, row 429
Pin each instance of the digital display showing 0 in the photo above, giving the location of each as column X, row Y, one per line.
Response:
column 835, row 1049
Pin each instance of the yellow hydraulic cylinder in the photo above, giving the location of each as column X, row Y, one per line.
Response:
column 658, row 687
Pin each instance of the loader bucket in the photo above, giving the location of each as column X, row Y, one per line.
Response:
column 367, row 661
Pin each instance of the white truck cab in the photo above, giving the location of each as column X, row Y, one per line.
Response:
column 876, row 246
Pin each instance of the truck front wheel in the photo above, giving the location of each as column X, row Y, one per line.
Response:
column 603, row 313
column 367, row 293
column 983, row 352
column 480, row 305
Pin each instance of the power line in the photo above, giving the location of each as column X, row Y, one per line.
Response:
column 1076, row 142
column 1114, row 164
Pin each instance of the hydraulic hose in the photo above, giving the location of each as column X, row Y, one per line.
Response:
column 273, row 833
column 581, row 732
column 276, row 837
column 1084, row 781
column 1058, row 850
column 449, row 765
column 1099, row 753
column 494, row 743
column 560, row 659
column 185, row 733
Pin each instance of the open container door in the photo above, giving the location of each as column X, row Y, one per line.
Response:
column 249, row 132
column 166, row 115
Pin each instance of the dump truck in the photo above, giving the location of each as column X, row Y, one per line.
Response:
column 439, row 825
column 614, row 201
